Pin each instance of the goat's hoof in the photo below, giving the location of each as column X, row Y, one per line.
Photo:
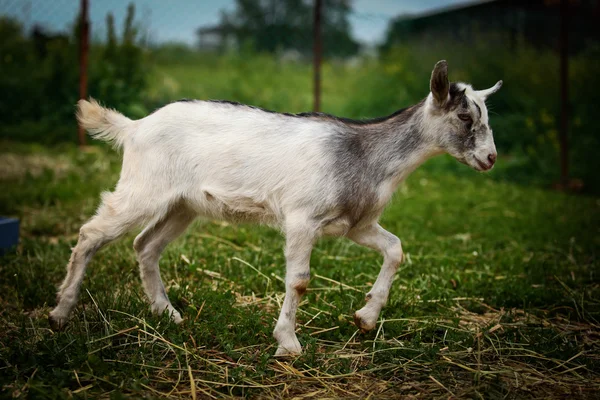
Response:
column 57, row 323
column 176, row 317
column 172, row 312
column 289, row 346
column 288, row 352
column 362, row 324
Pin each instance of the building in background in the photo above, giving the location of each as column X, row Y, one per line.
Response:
column 536, row 22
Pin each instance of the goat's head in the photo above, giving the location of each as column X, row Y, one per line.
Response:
column 460, row 119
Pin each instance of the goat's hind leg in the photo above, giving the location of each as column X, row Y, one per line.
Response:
column 149, row 245
column 377, row 238
column 107, row 225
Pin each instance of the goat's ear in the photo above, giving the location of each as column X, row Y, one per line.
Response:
column 439, row 83
column 484, row 94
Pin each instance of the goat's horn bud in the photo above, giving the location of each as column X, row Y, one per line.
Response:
column 488, row 92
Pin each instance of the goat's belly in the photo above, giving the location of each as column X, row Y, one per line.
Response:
column 232, row 207
column 337, row 227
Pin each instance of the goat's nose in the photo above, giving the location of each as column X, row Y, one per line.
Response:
column 492, row 157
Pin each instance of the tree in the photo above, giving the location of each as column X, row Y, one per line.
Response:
column 122, row 75
column 276, row 25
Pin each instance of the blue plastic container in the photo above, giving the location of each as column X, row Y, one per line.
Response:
column 9, row 234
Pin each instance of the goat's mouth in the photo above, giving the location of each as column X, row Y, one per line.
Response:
column 482, row 166
column 478, row 165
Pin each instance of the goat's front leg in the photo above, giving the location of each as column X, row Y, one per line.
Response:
column 377, row 238
column 299, row 243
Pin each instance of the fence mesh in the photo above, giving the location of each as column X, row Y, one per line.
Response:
column 158, row 22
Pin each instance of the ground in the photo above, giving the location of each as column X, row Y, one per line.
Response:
column 498, row 297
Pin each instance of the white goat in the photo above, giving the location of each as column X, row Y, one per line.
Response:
column 308, row 174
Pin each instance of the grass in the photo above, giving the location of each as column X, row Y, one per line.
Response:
column 499, row 297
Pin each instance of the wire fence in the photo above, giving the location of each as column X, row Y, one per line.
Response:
column 170, row 21
column 158, row 22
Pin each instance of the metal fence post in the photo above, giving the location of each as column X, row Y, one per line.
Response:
column 564, row 94
column 83, row 59
column 317, row 50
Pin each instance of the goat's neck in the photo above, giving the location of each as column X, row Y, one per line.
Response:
column 401, row 143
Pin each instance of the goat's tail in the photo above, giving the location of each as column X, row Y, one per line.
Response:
column 102, row 123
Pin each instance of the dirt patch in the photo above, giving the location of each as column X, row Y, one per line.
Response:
column 17, row 166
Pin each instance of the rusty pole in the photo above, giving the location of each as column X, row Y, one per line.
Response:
column 564, row 94
column 84, row 37
column 317, row 50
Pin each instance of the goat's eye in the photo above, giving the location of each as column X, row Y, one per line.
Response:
column 465, row 117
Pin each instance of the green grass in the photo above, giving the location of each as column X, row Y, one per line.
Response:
column 499, row 297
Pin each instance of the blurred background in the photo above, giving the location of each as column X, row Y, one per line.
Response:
column 376, row 57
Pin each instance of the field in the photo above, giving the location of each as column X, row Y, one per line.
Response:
column 499, row 297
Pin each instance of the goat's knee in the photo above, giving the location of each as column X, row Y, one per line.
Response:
column 394, row 252
column 299, row 282
column 87, row 236
column 98, row 232
column 146, row 251
column 139, row 243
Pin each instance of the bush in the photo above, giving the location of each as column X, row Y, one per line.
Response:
column 120, row 75
column 39, row 79
column 35, row 75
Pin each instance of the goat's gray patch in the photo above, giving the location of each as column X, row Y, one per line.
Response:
column 363, row 153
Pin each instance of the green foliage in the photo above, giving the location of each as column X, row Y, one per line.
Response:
column 121, row 73
column 35, row 75
column 277, row 25
column 256, row 79
column 39, row 79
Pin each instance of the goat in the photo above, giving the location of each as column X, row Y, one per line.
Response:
column 308, row 174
